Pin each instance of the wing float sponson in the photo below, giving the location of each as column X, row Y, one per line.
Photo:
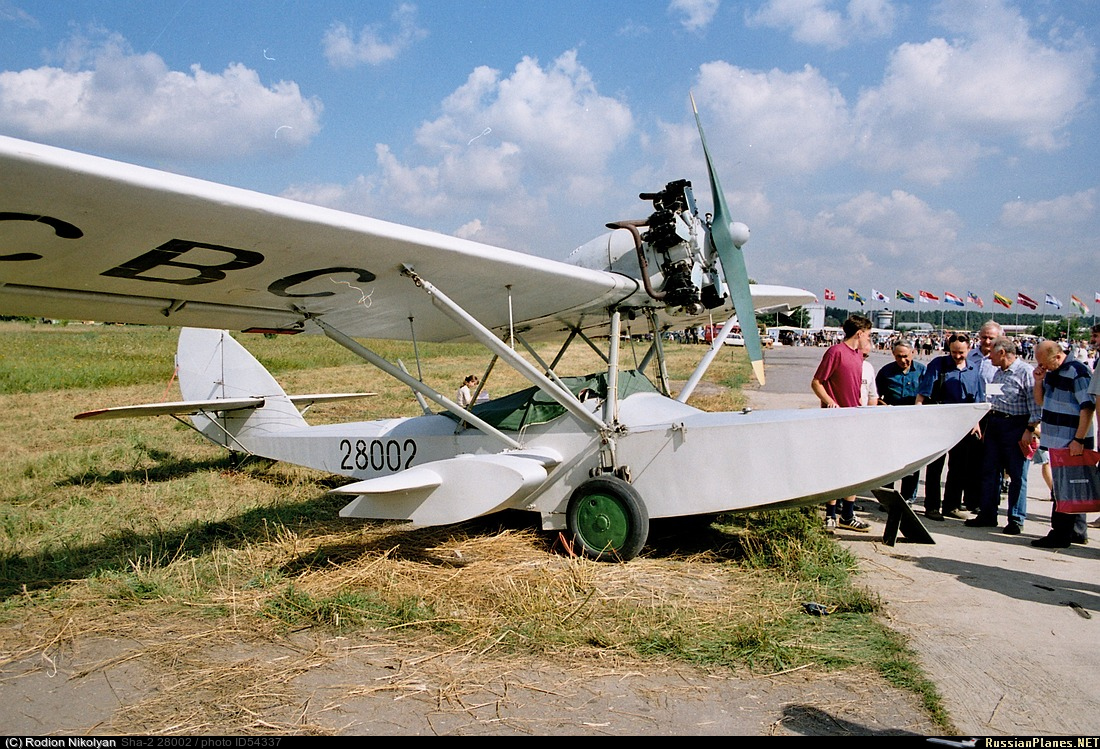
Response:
column 453, row 490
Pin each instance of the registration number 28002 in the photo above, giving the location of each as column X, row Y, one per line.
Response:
column 378, row 455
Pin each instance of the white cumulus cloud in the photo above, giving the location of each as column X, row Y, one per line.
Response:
column 1077, row 208
column 109, row 97
column 344, row 48
column 945, row 103
column 695, row 15
column 792, row 122
column 503, row 148
column 826, row 23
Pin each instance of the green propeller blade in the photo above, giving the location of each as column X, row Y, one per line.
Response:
column 727, row 239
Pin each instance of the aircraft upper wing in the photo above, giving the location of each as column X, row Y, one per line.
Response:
column 92, row 239
column 87, row 238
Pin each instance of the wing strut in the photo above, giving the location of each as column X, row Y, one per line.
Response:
column 591, row 345
column 565, row 398
column 397, row 373
column 564, row 348
column 548, row 369
column 214, row 420
column 611, row 404
column 658, row 348
column 419, row 398
column 716, row 345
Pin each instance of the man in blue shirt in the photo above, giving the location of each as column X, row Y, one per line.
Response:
column 952, row 379
column 1061, row 389
column 897, row 384
column 1012, row 423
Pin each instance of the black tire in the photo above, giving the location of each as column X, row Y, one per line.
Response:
column 607, row 520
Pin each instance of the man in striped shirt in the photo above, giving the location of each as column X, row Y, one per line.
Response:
column 1012, row 423
column 1061, row 389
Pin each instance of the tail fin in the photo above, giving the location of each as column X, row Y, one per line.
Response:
column 211, row 364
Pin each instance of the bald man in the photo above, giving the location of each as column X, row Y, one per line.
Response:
column 1061, row 390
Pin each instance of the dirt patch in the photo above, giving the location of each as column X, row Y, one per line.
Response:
column 307, row 684
column 101, row 666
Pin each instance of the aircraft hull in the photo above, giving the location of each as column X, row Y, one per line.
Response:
column 682, row 461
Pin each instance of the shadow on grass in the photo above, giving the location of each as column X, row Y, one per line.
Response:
column 167, row 468
column 695, row 537
column 118, row 549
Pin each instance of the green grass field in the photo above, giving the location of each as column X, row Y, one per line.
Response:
column 137, row 528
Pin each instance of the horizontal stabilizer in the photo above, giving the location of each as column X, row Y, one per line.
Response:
column 305, row 401
column 179, row 408
column 451, row 490
column 191, row 408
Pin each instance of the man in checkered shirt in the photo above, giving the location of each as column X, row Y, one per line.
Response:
column 1012, row 424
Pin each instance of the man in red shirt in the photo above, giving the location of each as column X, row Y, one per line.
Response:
column 836, row 384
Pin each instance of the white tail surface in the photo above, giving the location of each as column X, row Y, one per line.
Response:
column 212, row 365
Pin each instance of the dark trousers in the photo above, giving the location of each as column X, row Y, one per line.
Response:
column 909, row 486
column 1002, row 455
column 964, row 477
column 1070, row 525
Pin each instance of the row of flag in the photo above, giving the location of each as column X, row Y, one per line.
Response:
column 927, row 297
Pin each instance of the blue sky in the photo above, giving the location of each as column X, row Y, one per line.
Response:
column 869, row 144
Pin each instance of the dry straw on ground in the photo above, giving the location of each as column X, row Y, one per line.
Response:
column 210, row 597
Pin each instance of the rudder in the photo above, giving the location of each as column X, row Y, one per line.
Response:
column 212, row 364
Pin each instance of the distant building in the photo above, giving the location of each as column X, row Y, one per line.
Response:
column 816, row 313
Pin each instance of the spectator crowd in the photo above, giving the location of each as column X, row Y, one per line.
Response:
column 1041, row 396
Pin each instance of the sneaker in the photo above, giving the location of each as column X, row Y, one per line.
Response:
column 933, row 515
column 853, row 524
column 830, row 525
column 957, row 514
column 1011, row 529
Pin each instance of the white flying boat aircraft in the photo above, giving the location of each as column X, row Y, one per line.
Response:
column 597, row 455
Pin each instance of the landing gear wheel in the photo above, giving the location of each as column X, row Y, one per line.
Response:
column 607, row 520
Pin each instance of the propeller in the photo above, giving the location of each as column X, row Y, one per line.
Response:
column 726, row 238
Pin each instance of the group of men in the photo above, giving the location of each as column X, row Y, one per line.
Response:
column 1032, row 409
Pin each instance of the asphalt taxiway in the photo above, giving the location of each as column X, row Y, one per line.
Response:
column 1009, row 633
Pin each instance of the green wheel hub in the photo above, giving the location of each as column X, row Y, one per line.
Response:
column 607, row 519
column 603, row 522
